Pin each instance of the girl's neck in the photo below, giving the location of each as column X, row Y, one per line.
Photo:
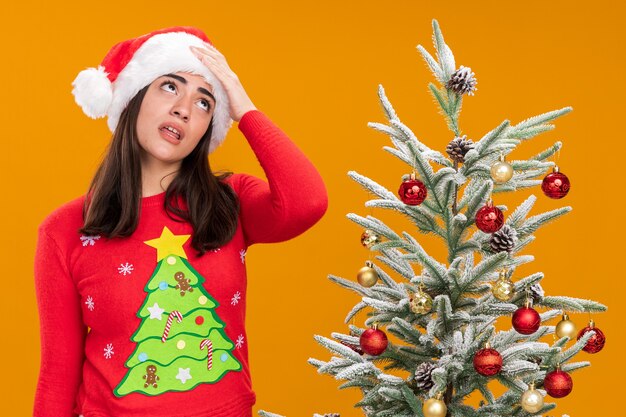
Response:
column 155, row 178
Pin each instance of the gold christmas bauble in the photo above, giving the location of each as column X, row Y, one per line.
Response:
column 434, row 407
column 369, row 238
column 501, row 171
column 566, row 327
column 421, row 303
column 367, row 276
column 503, row 289
column 531, row 400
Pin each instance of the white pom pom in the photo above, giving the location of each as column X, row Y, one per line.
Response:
column 92, row 92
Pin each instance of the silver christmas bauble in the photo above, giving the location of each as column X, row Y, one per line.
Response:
column 501, row 171
column 532, row 400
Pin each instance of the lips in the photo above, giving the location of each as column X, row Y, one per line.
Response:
column 172, row 130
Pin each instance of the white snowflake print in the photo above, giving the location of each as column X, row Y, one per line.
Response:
column 125, row 268
column 242, row 255
column 89, row 240
column 90, row 303
column 108, row 351
column 236, row 297
column 239, row 342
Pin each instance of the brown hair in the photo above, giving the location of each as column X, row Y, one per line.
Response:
column 113, row 202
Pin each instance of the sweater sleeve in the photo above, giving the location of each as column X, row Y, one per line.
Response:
column 62, row 332
column 294, row 197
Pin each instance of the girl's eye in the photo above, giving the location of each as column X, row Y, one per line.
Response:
column 169, row 83
column 205, row 104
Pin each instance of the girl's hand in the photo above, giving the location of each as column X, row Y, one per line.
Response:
column 240, row 103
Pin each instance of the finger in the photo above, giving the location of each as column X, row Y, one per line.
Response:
column 213, row 65
column 200, row 54
column 212, row 50
column 213, row 54
column 209, row 47
column 214, row 62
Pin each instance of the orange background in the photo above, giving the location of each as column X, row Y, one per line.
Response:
column 314, row 67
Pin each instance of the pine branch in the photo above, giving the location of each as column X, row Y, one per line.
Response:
column 355, row 310
column 449, row 108
column 542, row 156
column 394, row 259
column 455, row 103
column 571, row 367
column 576, row 347
column 385, row 306
column 484, row 145
column 335, row 365
column 516, row 218
column 541, row 119
column 479, row 272
column 390, row 113
column 573, row 304
column 425, row 222
column 339, row 349
column 477, row 199
column 266, row 414
column 389, row 293
column 533, row 223
column 360, row 383
column 444, row 54
column 434, row 268
column 351, row 285
column 372, row 186
column 412, row 401
column 358, row 369
column 417, row 159
column 432, row 64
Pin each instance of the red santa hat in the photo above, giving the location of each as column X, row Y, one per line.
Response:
column 133, row 64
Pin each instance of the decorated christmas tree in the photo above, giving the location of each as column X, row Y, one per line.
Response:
column 181, row 341
column 443, row 315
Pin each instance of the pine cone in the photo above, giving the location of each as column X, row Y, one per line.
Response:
column 458, row 147
column 423, row 379
column 504, row 239
column 463, row 81
column 536, row 292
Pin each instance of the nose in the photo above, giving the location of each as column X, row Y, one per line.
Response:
column 182, row 109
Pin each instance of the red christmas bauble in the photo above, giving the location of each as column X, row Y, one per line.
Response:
column 487, row 362
column 355, row 348
column 199, row 320
column 489, row 219
column 412, row 192
column 596, row 342
column 526, row 320
column 555, row 185
column 558, row 384
column 373, row 341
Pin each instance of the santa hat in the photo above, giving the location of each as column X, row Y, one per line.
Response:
column 133, row 64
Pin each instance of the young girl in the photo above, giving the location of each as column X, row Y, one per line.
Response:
column 141, row 283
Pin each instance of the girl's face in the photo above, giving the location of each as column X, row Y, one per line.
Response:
column 174, row 114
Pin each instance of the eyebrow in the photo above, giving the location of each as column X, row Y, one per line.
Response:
column 184, row 81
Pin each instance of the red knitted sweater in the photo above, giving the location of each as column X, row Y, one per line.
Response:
column 141, row 326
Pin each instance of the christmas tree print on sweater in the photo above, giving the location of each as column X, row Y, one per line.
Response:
column 181, row 341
